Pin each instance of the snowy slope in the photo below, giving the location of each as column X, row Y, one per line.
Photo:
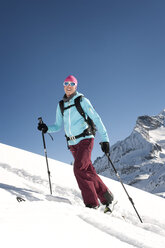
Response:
column 62, row 220
column 140, row 158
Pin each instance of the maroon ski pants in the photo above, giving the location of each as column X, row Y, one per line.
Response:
column 90, row 184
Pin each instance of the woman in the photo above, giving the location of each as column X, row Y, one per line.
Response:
column 80, row 141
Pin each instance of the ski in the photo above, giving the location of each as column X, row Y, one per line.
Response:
column 57, row 199
column 110, row 209
column 20, row 199
column 49, row 198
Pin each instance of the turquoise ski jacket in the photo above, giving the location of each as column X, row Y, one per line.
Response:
column 74, row 123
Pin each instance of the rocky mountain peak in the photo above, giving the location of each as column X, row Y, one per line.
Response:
column 140, row 158
column 151, row 122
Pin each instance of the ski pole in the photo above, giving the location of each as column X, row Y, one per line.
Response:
column 117, row 174
column 45, row 151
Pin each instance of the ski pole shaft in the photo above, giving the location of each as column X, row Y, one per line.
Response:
column 45, row 151
column 130, row 199
column 47, row 163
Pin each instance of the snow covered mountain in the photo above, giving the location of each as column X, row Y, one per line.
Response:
column 61, row 220
column 140, row 158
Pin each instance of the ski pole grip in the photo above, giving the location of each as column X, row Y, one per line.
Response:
column 40, row 120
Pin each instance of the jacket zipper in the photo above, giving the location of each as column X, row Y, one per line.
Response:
column 69, row 121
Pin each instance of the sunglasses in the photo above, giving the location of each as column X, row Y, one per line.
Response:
column 69, row 83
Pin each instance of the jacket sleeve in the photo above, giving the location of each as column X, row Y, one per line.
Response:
column 58, row 124
column 90, row 111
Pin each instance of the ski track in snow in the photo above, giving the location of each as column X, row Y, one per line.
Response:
column 131, row 226
column 59, row 216
column 126, row 231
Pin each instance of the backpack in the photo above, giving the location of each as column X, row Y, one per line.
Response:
column 91, row 126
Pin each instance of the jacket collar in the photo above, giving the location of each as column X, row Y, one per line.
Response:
column 67, row 99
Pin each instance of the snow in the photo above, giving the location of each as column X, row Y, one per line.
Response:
column 61, row 220
column 158, row 136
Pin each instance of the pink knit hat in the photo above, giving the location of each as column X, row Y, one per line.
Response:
column 71, row 78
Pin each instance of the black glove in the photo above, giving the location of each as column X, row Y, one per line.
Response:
column 105, row 147
column 42, row 127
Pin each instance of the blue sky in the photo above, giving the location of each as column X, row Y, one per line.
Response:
column 116, row 50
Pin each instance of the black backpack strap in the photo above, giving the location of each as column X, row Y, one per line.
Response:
column 78, row 106
column 91, row 126
column 61, row 103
